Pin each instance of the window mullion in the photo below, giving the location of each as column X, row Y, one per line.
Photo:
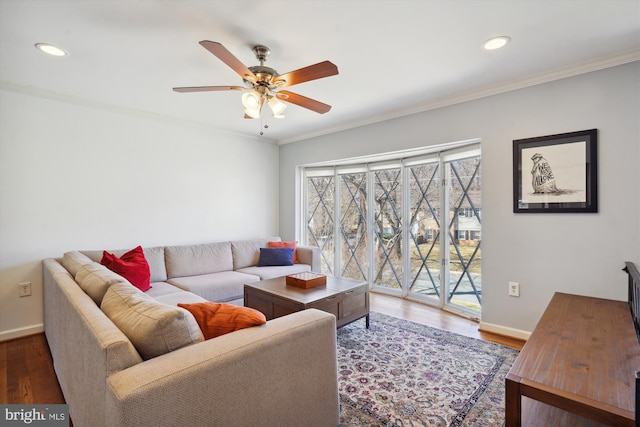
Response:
column 444, row 231
column 406, row 225
column 337, row 246
column 370, row 225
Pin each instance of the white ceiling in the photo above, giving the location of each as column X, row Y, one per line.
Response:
column 395, row 57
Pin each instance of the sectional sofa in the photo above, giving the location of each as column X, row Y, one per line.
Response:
column 125, row 357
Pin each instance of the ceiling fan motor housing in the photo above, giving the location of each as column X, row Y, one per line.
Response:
column 264, row 74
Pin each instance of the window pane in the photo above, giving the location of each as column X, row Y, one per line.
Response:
column 387, row 229
column 353, row 226
column 424, row 234
column 465, row 284
column 320, row 214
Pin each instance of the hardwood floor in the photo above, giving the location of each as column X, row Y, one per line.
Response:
column 431, row 316
column 26, row 372
column 27, row 375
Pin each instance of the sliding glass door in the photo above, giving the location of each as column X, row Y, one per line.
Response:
column 410, row 227
column 464, row 259
column 424, row 231
column 445, row 265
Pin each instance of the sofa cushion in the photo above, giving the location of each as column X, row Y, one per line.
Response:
column 95, row 279
column 247, row 252
column 153, row 328
column 183, row 297
column 153, row 255
column 131, row 265
column 74, row 260
column 217, row 319
column 271, row 257
column 271, row 272
column 194, row 260
column 219, row 287
column 293, row 245
column 159, row 289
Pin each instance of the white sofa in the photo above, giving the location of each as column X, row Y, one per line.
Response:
column 282, row 373
column 215, row 271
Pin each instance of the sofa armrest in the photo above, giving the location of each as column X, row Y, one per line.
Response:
column 309, row 255
column 276, row 374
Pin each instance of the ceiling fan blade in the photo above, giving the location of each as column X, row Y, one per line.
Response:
column 227, row 57
column 312, row 72
column 208, row 88
column 303, row 101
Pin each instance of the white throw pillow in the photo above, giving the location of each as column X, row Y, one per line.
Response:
column 153, row 328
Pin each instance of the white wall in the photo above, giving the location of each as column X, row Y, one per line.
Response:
column 575, row 253
column 77, row 176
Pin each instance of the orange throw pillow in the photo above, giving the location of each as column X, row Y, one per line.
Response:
column 215, row 318
column 285, row 245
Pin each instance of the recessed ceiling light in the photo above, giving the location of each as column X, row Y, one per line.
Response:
column 496, row 42
column 51, row 49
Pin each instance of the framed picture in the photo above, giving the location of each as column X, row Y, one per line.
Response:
column 556, row 173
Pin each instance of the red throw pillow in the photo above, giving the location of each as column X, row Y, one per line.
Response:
column 133, row 266
column 285, row 245
column 216, row 318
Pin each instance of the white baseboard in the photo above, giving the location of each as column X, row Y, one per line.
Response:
column 21, row 332
column 503, row 330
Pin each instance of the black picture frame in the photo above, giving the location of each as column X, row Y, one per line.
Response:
column 556, row 173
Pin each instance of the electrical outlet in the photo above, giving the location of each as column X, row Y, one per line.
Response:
column 514, row 289
column 25, row 289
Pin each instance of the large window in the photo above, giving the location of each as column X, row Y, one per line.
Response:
column 410, row 226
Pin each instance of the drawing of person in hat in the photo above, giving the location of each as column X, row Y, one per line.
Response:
column 542, row 179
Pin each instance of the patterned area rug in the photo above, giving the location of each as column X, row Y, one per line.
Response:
column 401, row 373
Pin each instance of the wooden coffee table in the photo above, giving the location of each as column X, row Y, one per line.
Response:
column 346, row 299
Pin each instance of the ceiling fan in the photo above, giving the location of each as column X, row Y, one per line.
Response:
column 264, row 84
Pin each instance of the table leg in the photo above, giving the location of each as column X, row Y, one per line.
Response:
column 367, row 320
column 513, row 401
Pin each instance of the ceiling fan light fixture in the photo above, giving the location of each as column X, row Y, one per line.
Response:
column 251, row 100
column 496, row 42
column 277, row 107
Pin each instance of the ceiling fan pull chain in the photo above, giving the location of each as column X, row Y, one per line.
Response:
column 265, row 125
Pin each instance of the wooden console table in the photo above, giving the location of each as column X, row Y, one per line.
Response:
column 581, row 358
